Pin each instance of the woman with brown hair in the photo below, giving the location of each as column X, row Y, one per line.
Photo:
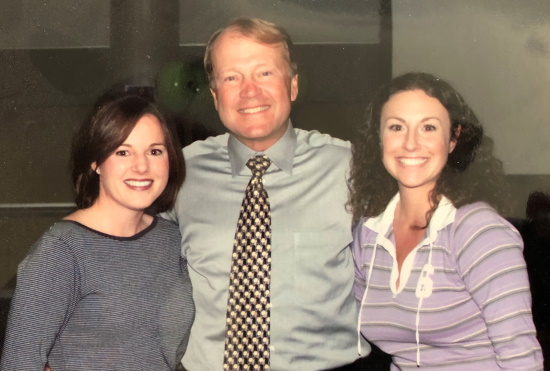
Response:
column 440, row 275
column 106, row 288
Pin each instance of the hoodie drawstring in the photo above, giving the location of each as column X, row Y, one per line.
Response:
column 423, row 290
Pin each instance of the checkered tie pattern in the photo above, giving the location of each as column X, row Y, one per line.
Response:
column 248, row 307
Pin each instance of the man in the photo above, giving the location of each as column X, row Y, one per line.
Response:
column 313, row 320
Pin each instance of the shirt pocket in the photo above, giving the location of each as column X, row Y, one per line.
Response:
column 324, row 268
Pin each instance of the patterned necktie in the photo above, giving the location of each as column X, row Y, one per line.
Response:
column 247, row 324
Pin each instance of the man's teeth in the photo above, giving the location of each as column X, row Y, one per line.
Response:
column 138, row 183
column 412, row 161
column 254, row 110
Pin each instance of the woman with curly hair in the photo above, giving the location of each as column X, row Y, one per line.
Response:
column 440, row 276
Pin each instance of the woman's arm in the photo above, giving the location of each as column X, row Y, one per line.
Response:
column 44, row 297
column 490, row 259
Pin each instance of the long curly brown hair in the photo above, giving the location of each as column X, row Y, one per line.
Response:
column 462, row 180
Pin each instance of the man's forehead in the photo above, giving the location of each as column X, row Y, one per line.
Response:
column 226, row 44
column 235, row 35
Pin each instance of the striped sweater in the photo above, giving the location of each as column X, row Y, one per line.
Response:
column 89, row 301
column 472, row 311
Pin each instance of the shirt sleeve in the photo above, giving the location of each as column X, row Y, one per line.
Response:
column 44, row 298
column 490, row 260
column 358, row 258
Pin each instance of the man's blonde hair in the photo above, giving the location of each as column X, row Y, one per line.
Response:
column 258, row 30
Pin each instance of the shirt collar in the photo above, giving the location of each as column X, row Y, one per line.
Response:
column 281, row 153
column 444, row 215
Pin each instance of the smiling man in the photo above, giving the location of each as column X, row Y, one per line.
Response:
column 287, row 303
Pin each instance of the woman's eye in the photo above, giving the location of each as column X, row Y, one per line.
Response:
column 122, row 152
column 156, row 152
column 429, row 127
column 395, row 127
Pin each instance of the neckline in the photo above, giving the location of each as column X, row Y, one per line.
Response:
column 113, row 237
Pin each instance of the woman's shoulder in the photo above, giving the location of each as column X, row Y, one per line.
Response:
column 54, row 245
column 66, row 237
column 360, row 225
column 479, row 214
column 365, row 229
column 63, row 231
column 167, row 234
column 480, row 224
column 166, row 225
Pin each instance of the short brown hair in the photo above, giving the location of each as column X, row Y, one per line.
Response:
column 259, row 30
column 111, row 121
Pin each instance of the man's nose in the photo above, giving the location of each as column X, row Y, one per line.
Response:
column 250, row 89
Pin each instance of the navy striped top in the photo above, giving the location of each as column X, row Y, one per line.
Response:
column 89, row 301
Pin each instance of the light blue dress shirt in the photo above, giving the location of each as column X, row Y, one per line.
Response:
column 313, row 313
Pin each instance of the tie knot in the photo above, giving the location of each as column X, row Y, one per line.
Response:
column 258, row 164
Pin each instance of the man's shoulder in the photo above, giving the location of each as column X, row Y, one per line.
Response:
column 316, row 139
column 206, row 146
column 326, row 149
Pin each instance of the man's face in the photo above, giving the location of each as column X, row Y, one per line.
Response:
column 254, row 89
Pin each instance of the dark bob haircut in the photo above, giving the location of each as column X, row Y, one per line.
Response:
column 111, row 121
column 462, row 180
